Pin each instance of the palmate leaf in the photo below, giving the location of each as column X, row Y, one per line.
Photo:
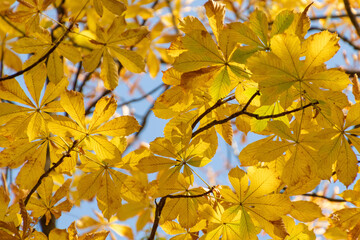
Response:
column 281, row 69
column 202, row 52
column 99, row 127
column 107, row 46
column 46, row 205
column 255, row 201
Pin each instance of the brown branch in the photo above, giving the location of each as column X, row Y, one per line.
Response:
column 142, row 97
column 161, row 204
column 344, row 38
column 87, row 77
column 44, row 175
column 77, row 76
column 258, row 117
column 215, row 122
column 324, row 197
column 352, row 17
column 88, row 109
column 331, row 16
column 207, row 111
column 2, row 56
column 352, row 72
column 46, row 55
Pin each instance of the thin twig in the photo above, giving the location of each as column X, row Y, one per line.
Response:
column 2, row 56
column 254, row 115
column 77, row 76
column 44, row 175
column 142, row 97
column 161, row 204
column 207, row 111
column 324, row 197
column 86, row 78
column 331, row 16
column 88, row 109
column 352, row 17
column 344, row 38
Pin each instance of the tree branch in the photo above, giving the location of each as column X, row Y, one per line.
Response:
column 161, row 204
column 257, row 116
column 44, row 175
column 331, row 16
column 207, row 111
column 352, row 17
column 77, row 76
column 142, row 97
column 88, row 109
column 324, row 197
column 213, row 123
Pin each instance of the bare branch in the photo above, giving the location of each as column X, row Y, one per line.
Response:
column 207, row 111
column 257, row 116
column 77, row 75
column 352, row 16
column 44, row 175
column 142, row 97
column 161, row 204
column 324, row 197
column 88, row 109
column 213, row 123
column 331, row 16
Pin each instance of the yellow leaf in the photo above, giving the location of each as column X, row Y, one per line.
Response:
column 36, row 126
column 69, row 51
column 34, row 80
column 124, row 231
column 242, row 33
column 346, row 166
column 55, row 69
column 120, row 126
column 114, row 6
column 130, row 59
column 103, row 148
column 130, row 37
column 221, row 84
column 53, row 91
column 91, row 61
column 305, row 211
column 104, row 109
column 11, row 90
column 282, row 21
column 73, row 104
column 258, row 22
column 32, row 170
column 172, row 228
column 109, row 72
column 108, row 198
column 215, row 11
column 65, row 127
column 154, row 164
column 89, row 184
column 319, row 48
column 98, row 7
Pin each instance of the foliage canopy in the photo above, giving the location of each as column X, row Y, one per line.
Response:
column 257, row 68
